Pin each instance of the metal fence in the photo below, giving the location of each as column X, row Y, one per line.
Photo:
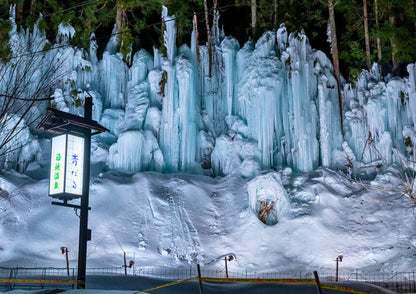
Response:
column 401, row 282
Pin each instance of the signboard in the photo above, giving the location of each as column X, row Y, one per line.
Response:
column 67, row 166
column 56, row 178
column 74, row 165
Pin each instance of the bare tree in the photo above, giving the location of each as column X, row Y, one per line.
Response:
column 209, row 36
column 253, row 18
column 27, row 79
column 404, row 171
column 366, row 35
column 335, row 53
column 392, row 22
column 266, row 207
column 379, row 54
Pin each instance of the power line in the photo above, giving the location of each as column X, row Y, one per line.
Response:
column 117, row 33
column 26, row 99
column 62, row 11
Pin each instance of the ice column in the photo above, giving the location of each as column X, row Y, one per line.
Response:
column 303, row 86
column 259, row 94
column 169, row 138
column 229, row 48
column 186, row 76
column 328, row 106
column 113, row 75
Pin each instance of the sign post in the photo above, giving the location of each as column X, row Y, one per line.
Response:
column 70, row 168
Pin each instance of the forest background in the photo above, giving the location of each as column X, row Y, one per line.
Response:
column 364, row 31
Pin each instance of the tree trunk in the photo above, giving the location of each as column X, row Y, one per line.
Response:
column 413, row 4
column 379, row 54
column 121, row 22
column 32, row 7
column 209, row 36
column 215, row 19
column 366, row 36
column 392, row 21
column 253, row 18
column 335, row 58
column 196, row 35
column 275, row 15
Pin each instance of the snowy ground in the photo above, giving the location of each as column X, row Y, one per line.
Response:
column 178, row 220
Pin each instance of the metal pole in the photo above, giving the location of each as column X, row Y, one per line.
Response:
column 318, row 283
column 336, row 271
column 226, row 268
column 125, row 264
column 67, row 261
column 83, row 222
column 200, row 279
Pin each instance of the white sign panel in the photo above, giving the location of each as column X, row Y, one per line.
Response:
column 74, row 165
column 57, row 173
column 67, row 165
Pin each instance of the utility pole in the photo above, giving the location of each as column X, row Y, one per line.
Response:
column 65, row 250
column 84, row 232
column 125, row 264
column 339, row 259
column 226, row 259
column 226, row 267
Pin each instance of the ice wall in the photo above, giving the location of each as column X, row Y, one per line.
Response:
column 269, row 104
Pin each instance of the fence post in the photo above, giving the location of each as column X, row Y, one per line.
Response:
column 43, row 278
column 11, row 277
column 199, row 278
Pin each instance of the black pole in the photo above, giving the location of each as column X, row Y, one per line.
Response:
column 318, row 283
column 83, row 222
column 200, row 279
column 67, row 261
column 125, row 264
column 336, row 271
column 226, row 267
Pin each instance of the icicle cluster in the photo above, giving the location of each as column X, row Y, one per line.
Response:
column 267, row 105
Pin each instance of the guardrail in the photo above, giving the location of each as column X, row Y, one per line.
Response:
column 401, row 282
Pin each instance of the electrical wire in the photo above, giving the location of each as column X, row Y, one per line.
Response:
column 62, row 11
column 174, row 18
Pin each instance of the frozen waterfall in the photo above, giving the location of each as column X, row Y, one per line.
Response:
column 267, row 105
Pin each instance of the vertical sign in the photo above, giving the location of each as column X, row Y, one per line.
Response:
column 57, row 172
column 74, row 165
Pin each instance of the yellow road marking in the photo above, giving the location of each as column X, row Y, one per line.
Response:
column 31, row 281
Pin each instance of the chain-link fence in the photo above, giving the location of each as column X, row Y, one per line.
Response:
column 401, row 282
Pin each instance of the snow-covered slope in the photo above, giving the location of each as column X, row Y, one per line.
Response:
column 267, row 109
column 177, row 220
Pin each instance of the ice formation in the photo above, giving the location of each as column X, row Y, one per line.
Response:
column 268, row 105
